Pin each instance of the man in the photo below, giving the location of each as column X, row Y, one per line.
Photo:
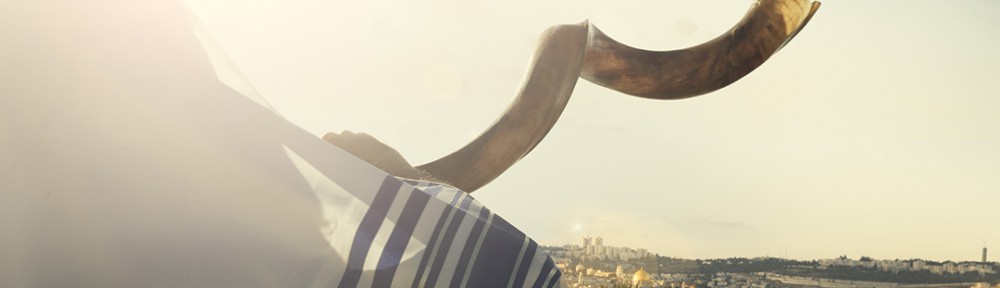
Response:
column 126, row 162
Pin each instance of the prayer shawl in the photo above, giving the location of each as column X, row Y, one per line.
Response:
column 130, row 157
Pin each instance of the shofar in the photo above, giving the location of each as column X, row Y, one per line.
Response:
column 571, row 51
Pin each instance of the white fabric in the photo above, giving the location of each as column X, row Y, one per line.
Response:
column 131, row 158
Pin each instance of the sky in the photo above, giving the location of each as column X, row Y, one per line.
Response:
column 873, row 133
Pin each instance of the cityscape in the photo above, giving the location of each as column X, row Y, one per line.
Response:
column 592, row 263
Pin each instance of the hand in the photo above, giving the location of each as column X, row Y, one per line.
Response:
column 375, row 152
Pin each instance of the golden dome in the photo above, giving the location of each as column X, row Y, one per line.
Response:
column 640, row 276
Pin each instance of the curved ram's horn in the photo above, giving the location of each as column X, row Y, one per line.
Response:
column 543, row 95
column 690, row 72
column 570, row 51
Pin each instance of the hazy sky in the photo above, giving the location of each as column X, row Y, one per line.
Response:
column 875, row 132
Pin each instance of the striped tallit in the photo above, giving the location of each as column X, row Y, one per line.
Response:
column 126, row 162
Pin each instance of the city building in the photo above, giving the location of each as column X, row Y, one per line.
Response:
column 641, row 279
column 984, row 255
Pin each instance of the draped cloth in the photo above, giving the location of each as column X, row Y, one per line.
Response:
column 132, row 156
